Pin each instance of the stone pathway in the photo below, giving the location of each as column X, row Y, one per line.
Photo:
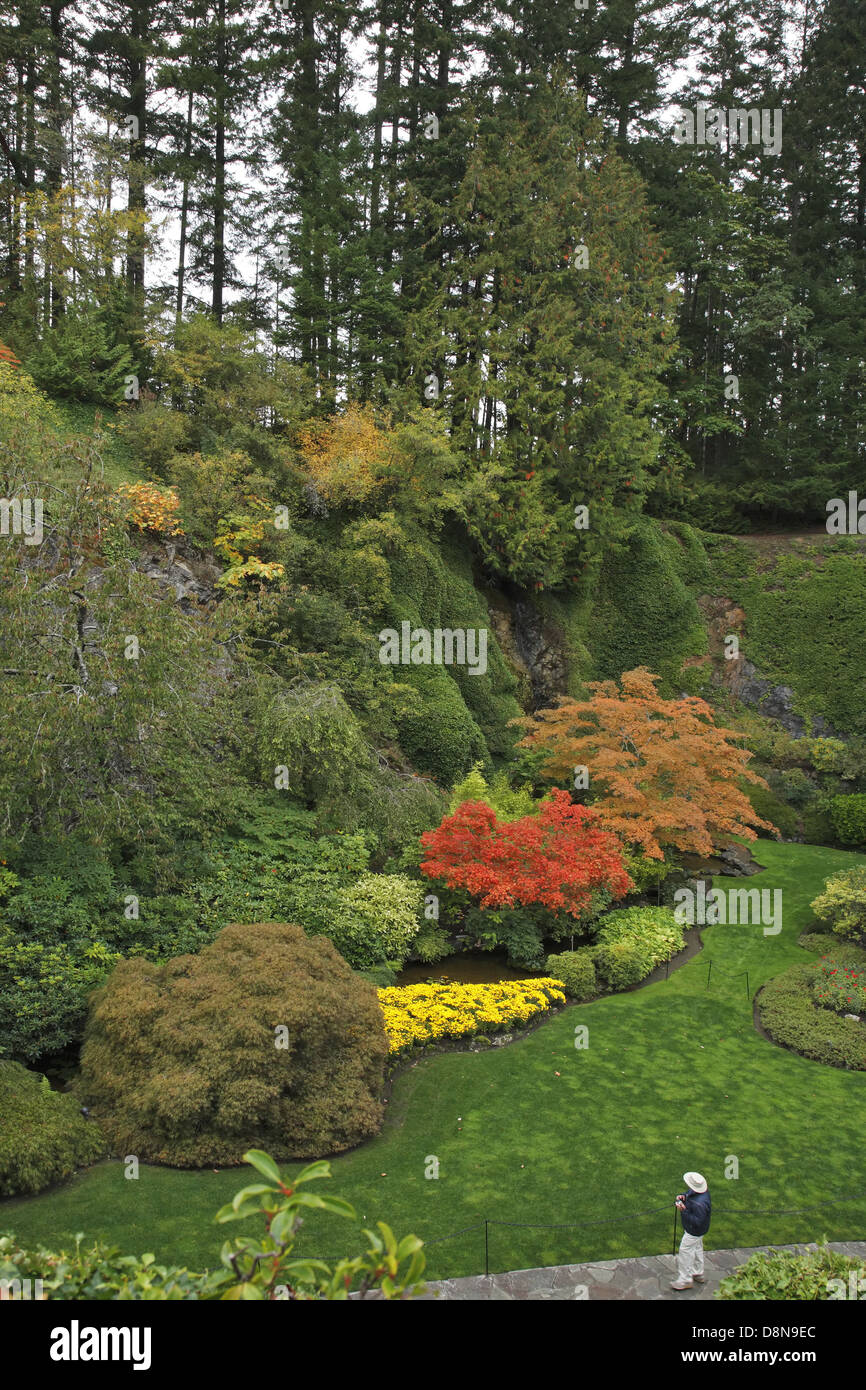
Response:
column 629, row 1280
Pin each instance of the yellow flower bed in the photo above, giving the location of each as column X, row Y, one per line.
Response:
column 428, row 1013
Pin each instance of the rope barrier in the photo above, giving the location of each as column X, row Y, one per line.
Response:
column 487, row 1222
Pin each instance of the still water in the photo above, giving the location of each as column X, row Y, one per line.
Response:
column 467, row 967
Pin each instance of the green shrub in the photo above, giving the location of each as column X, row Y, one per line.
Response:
column 654, row 929
column 99, row 1272
column 818, row 828
column 43, row 1135
column 796, row 786
column 43, row 995
column 29, row 426
column 383, row 976
column 576, row 970
column 432, row 586
column 787, row 1010
column 826, row 754
column 769, row 806
column 377, row 919
column 844, row 951
column 780, row 1276
column 431, row 943
column 842, row 904
column 622, row 963
column 848, row 814
column 60, row 932
column 508, row 802
column 81, row 358
column 642, row 613
column 264, row 1038
column 153, row 433
column 440, row 737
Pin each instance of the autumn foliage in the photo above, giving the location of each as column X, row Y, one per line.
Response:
column 151, row 508
column 661, row 773
column 556, row 858
column 6, row 353
column 347, row 456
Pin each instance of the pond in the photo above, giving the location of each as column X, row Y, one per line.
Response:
column 702, row 865
column 465, row 967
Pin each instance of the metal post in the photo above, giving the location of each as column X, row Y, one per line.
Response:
column 709, row 973
column 486, row 1249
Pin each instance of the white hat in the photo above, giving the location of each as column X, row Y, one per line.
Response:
column 695, row 1182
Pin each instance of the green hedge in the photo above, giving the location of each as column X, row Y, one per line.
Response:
column 576, row 969
column 43, row 1135
column 787, row 1010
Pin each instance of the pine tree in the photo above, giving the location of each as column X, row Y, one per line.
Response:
column 542, row 329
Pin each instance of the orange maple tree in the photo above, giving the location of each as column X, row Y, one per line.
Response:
column 661, row 772
column 556, row 858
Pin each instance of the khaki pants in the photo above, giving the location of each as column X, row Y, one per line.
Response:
column 690, row 1260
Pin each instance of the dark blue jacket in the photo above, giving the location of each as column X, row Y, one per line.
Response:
column 696, row 1217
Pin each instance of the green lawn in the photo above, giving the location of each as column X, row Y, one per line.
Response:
column 674, row 1077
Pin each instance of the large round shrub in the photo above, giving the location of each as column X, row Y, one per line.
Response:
column 576, row 970
column 266, row 1039
column 43, row 1135
column 622, row 964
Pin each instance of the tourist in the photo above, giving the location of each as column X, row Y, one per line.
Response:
column 694, row 1206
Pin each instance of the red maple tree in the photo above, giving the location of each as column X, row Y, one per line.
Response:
column 6, row 353
column 556, row 858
